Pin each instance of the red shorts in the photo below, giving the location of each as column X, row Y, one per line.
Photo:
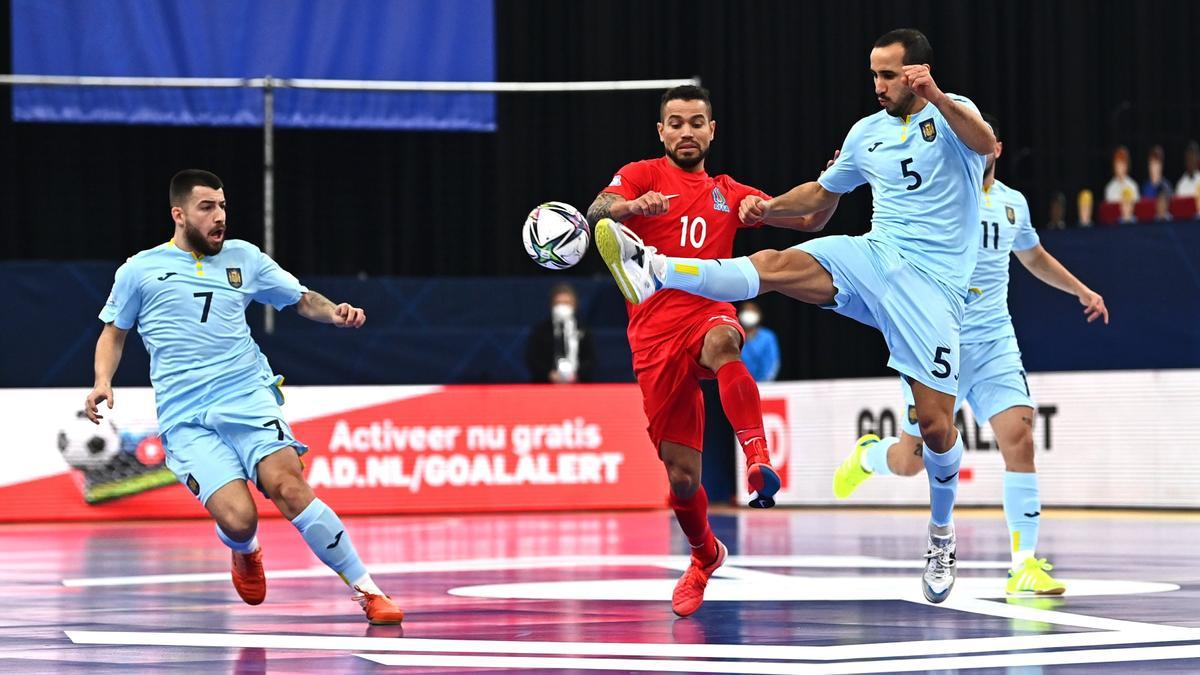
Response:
column 669, row 373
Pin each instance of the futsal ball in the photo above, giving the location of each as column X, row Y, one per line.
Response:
column 88, row 446
column 556, row 235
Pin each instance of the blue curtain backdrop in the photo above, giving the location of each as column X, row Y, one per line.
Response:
column 361, row 40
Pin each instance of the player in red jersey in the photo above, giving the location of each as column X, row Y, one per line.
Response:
column 677, row 338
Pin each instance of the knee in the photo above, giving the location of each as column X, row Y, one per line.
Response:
column 292, row 495
column 684, row 480
column 238, row 522
column 721, row 346
column 937, row 431
column 770, row 263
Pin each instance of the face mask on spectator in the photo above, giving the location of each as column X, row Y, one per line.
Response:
column 749, row 318
column 562, row 311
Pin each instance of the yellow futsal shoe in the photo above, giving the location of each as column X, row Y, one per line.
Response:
column 850, row 474
column 1032, row 578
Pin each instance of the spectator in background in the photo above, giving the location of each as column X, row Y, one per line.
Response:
column 559, row 349
column 1189, row 183
column 761, row 351
column 1162, row 207
column 1155, row 184
column 1058, row 212
column 1085, row 205
column 1121, row 189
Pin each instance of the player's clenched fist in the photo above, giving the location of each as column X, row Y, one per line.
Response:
column 918, row 77
column 752, row 210
column 347, row 316
column 650, row 204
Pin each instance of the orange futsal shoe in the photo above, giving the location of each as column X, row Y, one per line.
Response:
column 761, row 477
column 380, row 609
column 689, row 591
column 248, row 577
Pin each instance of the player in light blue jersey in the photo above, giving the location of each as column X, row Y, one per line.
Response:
column 218, row 400
column 923, row 155
column 992, row 377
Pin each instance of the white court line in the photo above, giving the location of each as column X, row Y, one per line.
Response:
column 850, row 668
column 660, row 650
column 493, row 564
column 1026, row 613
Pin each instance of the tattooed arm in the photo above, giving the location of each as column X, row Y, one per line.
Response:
column 609, row 205
column 316, row 307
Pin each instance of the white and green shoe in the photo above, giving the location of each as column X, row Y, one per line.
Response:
column 627, row 259
column 1033, row 578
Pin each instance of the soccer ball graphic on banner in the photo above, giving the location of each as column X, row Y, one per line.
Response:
column 88, row 446
column 556, row 235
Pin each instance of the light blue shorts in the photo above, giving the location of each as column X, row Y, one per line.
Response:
column 993, row 380
column 919, row 317
column 227, row 441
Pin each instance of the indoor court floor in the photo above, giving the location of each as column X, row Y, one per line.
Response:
column 804, row 591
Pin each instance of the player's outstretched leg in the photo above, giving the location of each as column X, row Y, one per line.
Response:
column 236, row 518
column 324, row 533
column 721, row 353
column 1029, row 575
column 689, row 501
column 943, row 455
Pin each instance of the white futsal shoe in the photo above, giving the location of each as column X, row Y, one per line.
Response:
column 940, row 567
column 628, row 259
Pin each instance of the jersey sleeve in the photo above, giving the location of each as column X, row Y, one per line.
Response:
column 1027, row 237
column 274, row 285
column 844, row 175
column 124, row 300
column 631, row 181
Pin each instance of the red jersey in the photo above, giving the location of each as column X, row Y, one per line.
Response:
column 700, row 223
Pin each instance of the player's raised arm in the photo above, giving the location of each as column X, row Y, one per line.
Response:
column 803, row 200
column 966, row 123
column 1051, row 272
column 316, row 307
column 612, row 205
column 753, row 209
column 109, row 347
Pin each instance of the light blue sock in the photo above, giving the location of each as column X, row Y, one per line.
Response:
column 875, row 458
column 248, row 546
column 727, row 280
column 327, row 537
column 942, row 471
column 1022, row 510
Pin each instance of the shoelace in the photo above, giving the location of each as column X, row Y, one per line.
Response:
column 1042, row 564
column 638, row 240
column 943, row 562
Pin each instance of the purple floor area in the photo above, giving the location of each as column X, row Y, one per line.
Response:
column 803, row 591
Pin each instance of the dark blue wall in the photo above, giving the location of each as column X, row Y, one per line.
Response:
column 454, row 330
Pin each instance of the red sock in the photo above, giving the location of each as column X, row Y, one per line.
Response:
column 692, row 514
column 739, row 398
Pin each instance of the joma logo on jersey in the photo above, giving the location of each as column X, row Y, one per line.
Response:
column 1012, row 215
column 928, row 131
column 234, row 274
column 719, row 203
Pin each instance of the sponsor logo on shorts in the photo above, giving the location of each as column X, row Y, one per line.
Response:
column 928, row 131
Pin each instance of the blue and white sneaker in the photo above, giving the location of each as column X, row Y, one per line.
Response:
column 940, row 567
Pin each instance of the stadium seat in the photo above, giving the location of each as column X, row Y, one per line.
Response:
column 1108, row 213
column 1184, row 208
column 1144, row 210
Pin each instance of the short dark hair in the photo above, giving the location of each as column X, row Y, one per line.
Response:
column 183, row 182
column 563, row 288
column 993, row 123
column 684, row 92
column 916, row 45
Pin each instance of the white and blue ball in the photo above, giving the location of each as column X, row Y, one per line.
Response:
column 556, row 235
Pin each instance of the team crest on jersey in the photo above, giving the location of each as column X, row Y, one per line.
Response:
column 719, row 203
column 234, row 274
column 1012, row 215
column 928, row 131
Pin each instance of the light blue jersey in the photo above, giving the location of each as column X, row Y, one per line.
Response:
column 191, row 313
column 1004, row 226
column 925, row 186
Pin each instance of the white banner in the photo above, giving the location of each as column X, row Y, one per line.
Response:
column 1119, row 438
